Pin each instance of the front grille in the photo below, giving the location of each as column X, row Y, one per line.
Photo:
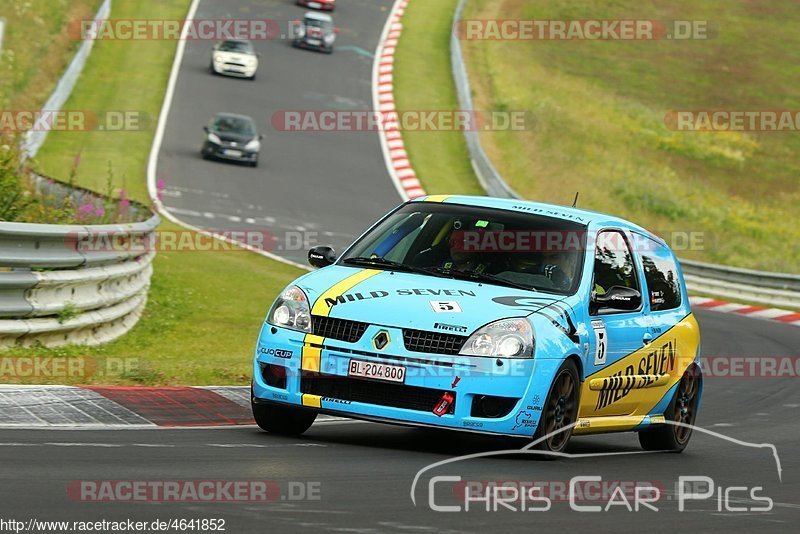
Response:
column 340, row 329
column 434, row 342
column 373, row 392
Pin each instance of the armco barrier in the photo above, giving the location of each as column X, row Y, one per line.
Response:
column 56, row 289
column 775, row 289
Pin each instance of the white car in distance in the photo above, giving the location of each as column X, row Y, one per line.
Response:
column 234, row 58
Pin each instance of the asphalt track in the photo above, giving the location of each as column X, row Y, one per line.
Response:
column 325, row 186
column 338, row 183
column 364, row 471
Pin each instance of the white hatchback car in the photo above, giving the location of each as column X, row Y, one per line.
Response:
column 234, row 58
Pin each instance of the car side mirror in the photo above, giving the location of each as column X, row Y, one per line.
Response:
column 260, row 137
column 617, row 298
column 205, row 129
column 321, row 256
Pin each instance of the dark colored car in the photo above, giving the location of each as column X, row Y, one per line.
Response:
column 232, row 137
column 315, row 31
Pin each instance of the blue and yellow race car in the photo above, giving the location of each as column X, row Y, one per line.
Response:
column 487, row 315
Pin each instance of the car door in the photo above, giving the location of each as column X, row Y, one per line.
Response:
column 614, row 335
column 663, row 295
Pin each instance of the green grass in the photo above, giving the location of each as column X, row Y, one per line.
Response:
column 599, row 128
column 120, row 76
column 423, row 82
column 597, row 118
column 37, row 48
column 205, row 308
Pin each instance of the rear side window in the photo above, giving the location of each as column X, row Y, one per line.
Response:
column 661, row 275
column 613, row 262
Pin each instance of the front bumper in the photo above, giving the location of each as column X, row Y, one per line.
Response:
column 234, row 69
column 313, row 44
column 313, row 372
column 213, row 150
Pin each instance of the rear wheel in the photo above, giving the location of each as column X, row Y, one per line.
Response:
column 284, row 420
column 682, row 410
column 560, row 410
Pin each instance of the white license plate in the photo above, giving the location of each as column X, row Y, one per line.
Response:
column 229, row 152
column 314, row 42
column 379, row 371
column 314, row 5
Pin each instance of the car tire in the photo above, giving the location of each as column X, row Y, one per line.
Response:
column 254, row 163
column 283, row 420
column 560, row 410
column 682, row 409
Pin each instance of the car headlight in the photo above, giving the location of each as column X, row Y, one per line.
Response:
column 214, row 139
column 218, row 58
column 253, row 145
column 291, row 310
column 251, row 62
column 507, row 338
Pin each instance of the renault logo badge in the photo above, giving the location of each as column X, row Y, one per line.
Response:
column 381, row 340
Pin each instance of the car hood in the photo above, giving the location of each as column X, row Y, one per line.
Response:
column 407, row 300
column 235, row 57
column 231, row 137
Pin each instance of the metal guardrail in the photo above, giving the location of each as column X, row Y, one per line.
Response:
column 70, row 284
column 774, row 289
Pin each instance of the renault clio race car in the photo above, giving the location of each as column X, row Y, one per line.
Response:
column 487, row 315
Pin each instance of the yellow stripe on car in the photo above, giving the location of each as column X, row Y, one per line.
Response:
column 437, row 198
column 312, row 344
column 314, row 401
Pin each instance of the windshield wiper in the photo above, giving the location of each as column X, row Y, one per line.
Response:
column 383, row 262
column 482, row 277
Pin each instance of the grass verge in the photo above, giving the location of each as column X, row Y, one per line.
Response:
column 598, row 119
column 424, row 82
column 36, row 48
column 204, row 308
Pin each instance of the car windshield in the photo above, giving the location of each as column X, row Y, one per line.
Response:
column 322, row 24
column 242, row 47
column 235, row 125
column 488, row 245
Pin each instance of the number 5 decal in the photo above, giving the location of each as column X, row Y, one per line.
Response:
column 601, row 341
column 445, row 306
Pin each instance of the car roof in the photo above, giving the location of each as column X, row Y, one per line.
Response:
column 234, row 116
column 578, row 215
column 324, row 17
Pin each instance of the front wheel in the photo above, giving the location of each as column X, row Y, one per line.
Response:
column 284, row 420
column 682, row 412
column 560, row 411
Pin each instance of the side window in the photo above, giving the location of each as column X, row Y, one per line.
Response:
column 613, row 262
column 661, row 276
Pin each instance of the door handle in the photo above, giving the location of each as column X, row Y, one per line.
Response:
column 647, row 338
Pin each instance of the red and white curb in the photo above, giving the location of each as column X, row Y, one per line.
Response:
column 394, row 150
column 745, row 310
